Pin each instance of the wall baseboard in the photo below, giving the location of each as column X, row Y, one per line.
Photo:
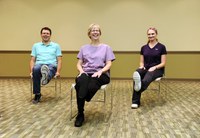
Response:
column 73, row 78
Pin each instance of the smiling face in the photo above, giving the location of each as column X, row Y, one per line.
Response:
column 45, row 35
column 152, row 34
column 94, row 32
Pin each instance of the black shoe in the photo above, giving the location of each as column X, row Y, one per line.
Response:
column 79, row 120
column 37, row 98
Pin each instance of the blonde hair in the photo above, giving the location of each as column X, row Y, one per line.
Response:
column 91, row 26
column 155, row 30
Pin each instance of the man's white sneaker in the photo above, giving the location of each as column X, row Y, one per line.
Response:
column 137, row 80
column 134, row 106
column 45, row 73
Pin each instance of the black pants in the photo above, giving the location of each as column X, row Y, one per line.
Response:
column 146, row 78
column 87, row 86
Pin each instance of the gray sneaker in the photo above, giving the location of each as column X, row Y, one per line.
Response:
column 45, row 74
column 137, row 80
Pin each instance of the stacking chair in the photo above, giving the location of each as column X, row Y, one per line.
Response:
column 103, row 99
column 55, row 83
column 158, row 81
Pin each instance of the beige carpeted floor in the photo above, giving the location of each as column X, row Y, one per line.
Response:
column 174, row 114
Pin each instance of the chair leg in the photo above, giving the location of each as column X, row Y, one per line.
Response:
column 159, row 91
column 111, row 99
column 71, row 102
column 31, row 88
column 59, row 87
column 165, row 87
column 56, row 87
column 104, row 105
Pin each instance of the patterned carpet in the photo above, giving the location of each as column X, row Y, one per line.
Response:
column 174, row 114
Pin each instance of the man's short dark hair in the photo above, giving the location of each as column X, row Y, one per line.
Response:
column 45, row 28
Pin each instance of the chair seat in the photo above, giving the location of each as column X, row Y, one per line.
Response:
column 73, row 85
column 102, row 87
column 158, row 79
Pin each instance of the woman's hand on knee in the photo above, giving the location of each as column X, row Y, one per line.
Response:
column 97, row 74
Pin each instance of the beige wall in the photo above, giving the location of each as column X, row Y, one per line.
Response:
column 180, row 65
column 124, row 22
